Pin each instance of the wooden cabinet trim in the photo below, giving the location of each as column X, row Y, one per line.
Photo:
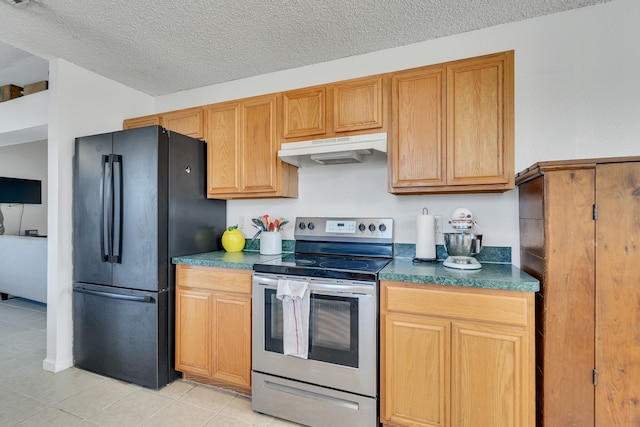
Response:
column 504, row 307
column 213, row 278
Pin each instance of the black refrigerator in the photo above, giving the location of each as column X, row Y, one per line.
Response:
column 138, row 200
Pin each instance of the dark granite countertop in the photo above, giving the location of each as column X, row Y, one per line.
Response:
column 491, row 276
column 242, row 260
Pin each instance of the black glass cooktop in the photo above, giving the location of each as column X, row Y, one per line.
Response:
column 337, row 267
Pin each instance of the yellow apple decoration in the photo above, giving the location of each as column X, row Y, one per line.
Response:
column 233, row 239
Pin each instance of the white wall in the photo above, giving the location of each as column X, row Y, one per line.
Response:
column 28, row 161
column 577, row 95
column 24, row 119
column 80, row 103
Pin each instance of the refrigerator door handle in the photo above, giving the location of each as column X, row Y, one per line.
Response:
column 105, row 179
column 117, row 208
column 114, row 295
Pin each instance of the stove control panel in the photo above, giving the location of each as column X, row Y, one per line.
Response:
column 344, row 229
column 333, row 226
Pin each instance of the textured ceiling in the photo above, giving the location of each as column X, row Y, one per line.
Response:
column 162, row 46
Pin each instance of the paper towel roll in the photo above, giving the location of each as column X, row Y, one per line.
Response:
column 425, row 237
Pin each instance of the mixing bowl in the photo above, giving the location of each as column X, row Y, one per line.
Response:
column 462, row 244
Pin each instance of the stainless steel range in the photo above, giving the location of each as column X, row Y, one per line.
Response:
column 335, row 383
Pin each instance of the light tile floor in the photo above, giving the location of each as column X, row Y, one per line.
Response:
column 31, row 396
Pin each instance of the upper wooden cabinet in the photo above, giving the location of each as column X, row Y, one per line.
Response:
column 452, row 127
column 140, row 122
column 187, row 122
column 342, row 108
column 304, row 112
column 242, row 151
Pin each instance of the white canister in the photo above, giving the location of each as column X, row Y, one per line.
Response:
column 270, row 243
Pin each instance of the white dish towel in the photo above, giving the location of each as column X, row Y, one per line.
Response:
column 295, row 316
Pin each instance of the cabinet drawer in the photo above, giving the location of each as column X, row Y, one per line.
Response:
column 220, row 279
column 485, row 305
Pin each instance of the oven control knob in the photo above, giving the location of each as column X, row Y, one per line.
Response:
column 301, row 226
column 311, row 226
column 372, row 228
column 382, row 227
column 362, row 227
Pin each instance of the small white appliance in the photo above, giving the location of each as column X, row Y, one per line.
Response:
column 464, row 242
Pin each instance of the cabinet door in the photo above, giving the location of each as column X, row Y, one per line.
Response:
column 358, row 104
column 489, row 379
column 259, row 145
column 565, row 306
column 618, row 294
column 480, row 121
column 232, row 339
column 417, row 146
column 139, row 122
column 224, row 148
column 304, row 112
column 194, row 309
column 415, row 371
column 187, row 122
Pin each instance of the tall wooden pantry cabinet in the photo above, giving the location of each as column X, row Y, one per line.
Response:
column 580, row 237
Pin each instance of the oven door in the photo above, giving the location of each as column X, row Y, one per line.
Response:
column 343, row 330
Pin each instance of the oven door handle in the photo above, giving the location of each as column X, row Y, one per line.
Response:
column 341, row 290
column 357, row 290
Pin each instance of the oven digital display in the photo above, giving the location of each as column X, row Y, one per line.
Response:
column 340, row 226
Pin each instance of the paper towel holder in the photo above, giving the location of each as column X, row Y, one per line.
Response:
column 425, row 211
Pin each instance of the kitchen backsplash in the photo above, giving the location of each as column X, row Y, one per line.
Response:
column 494, row 254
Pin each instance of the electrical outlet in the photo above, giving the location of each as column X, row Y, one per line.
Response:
column 439, row 229
column 242, row 222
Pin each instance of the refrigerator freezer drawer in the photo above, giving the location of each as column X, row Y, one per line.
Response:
column 118, row 333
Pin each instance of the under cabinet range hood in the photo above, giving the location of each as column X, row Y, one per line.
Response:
column 333, row 151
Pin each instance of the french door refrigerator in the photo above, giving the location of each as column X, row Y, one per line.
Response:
column 139, row 200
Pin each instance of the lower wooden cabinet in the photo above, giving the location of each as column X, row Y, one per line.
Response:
column 213, row 326
column 456, row 357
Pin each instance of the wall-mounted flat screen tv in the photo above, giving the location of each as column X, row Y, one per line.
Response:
column 16, row 190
